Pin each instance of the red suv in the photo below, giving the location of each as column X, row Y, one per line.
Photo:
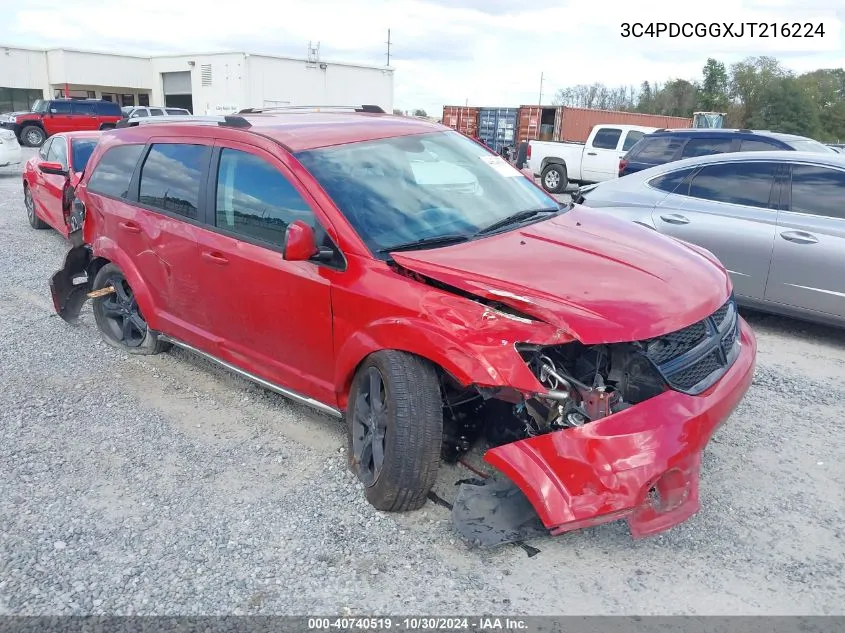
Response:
column 61, row 115
column 397, row 274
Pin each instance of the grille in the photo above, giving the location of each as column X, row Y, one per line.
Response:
column 692, row 359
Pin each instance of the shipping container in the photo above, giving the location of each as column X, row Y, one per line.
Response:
column 497, row 127
column 575, row 124
column 464, row 119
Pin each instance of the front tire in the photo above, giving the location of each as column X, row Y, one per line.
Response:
column 119, row 317
column 395, row 427
column 554, row 178
column 33, row 136
column 28, row 202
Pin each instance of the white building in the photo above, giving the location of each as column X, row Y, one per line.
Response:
column 205, row 83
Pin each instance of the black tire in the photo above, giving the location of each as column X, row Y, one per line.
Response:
column 33, row 136
column 29, row 204
column 119, row 319
column 554, row 178
column 412, row 430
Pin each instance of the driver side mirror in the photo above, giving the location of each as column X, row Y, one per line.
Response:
column 57, row 169
column 301, row 244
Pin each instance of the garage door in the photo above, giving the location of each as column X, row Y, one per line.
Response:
column 177, row 83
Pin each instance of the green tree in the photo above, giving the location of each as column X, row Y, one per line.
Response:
column 419, row 112
column 784, row 106
column 713, row 96
column 750, row 79
column 399, row 112
column 645, row 100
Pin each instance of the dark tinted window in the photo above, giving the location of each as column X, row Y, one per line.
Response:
column 706, row 146
column 176, row 111
column 156, row 112
column 171, row 177
column 107, row 108
column 58, row 151
column 818, row 190
column 660, row 149
column 607, row 138
column 255, row 199
column 60, row 107
column 748, row 184
column 112, row 174
column 669, row 182
column 83, row 107
column 631, row 139
column 81, row 150
column 752, row 145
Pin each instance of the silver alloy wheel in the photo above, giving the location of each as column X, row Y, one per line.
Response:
column 551, row 179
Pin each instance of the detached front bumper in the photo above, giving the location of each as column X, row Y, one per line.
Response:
column 641, row 464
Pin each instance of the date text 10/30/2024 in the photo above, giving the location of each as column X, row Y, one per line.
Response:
column 723, row 29
column 417, row 624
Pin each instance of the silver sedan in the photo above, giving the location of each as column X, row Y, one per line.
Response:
column 776, row 220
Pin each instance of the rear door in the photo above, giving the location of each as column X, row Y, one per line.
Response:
column 808, row 261
column 59, row 118
column 600, row 160
column 84, row 114
column 729, row 209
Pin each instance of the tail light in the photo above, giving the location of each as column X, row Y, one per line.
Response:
column 622, row 165
column 528, row 152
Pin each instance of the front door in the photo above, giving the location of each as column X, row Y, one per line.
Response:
column 729, row 209
column 52, row 186
column 269, row 315
column 59, row 117
column 808, row 260
column 600, row 160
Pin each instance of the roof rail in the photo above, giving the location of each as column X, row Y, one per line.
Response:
column 228, row 120
column 372, row 109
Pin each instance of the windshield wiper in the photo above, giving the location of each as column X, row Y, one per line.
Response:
column 516, row 218
column 438, row 240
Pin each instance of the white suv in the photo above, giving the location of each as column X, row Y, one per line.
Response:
column 133, row 112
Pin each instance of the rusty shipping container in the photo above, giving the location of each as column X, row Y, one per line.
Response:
column 561, row 123
column 464, row 119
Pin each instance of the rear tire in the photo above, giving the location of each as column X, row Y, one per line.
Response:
column 404, row 424
column 28, row 202
column 554, row 178
column 119, row 318
column 33, row 136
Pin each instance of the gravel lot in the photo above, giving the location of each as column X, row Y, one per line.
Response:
column 167, row 486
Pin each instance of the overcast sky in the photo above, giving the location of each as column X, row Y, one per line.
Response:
column 486, row 52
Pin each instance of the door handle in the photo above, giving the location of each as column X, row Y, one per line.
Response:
column 130, row 227
column 674, row 218
column 799, row 237
column 217, row 258
column 591, row 154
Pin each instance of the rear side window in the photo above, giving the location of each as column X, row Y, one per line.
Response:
column 112, row 174
column 84, row 107
column 171, row 177
column 607, row 138
column 752, row 145
column 255, row 200
column 173, row 111
column 631, row 139
column 706, row 146
column 818, row 191
column 669, row 182
column 156, row 112
column 107, row 108
column 660, row 149
column 748, row 184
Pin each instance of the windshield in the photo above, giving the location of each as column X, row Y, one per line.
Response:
column 81, row 151
column 408, row 188
column 40, row 106
column 810, row 146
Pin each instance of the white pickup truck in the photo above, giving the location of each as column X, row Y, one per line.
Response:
column 559, row 163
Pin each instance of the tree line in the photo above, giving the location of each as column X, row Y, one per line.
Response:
column 756, row 93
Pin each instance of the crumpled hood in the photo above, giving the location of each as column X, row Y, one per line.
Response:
column 602, row 279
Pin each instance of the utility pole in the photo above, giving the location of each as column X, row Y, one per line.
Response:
column 540, row 102
column 388, row 47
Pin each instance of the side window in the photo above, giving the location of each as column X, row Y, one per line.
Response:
column 750, row 145
column 631, row 139
column 58, row 151
column 659, row 149
column 255, row 200
column 706, row 146
column 140, row 112
column 112, row 174
column 45, row 149
column 156, row 112
column 818, row 191
column 171, row 177
column 60, row 107
column 607, row 138
column 86, row 108
column 669, row 182
column 107, row 108
column 748, row 184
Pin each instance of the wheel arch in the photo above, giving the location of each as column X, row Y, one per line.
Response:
column 553, row 160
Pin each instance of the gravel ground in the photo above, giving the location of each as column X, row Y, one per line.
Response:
column 164, row 485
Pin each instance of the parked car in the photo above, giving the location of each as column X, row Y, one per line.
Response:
column 301, row 251
column 558, row 164
column 10, row 150
column 132, row 112
column 665, row 146
column 49, row 178
column 54, row 116
column 838, row 148
column 776, row 220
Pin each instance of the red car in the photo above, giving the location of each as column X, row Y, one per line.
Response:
column 394, row 273
column 57, row 116
column 50, row 177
